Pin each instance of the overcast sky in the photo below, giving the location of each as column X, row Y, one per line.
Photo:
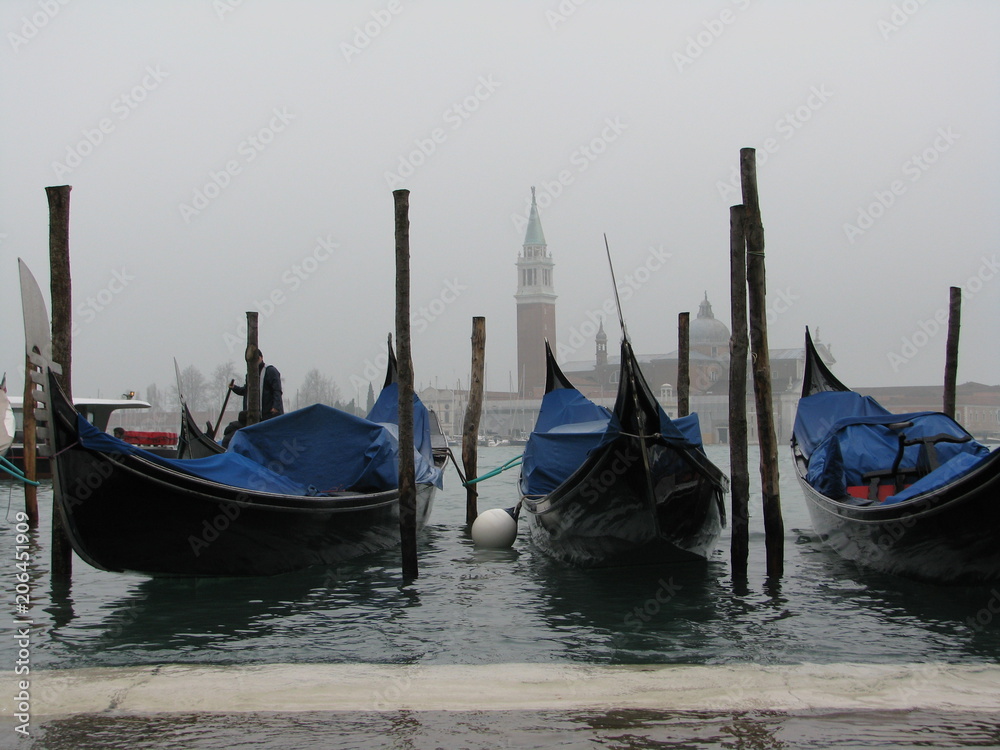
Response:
column 228, row 156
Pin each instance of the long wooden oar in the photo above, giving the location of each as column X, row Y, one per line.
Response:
column 229, row 391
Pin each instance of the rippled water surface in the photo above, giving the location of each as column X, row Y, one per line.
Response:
column 474, row 607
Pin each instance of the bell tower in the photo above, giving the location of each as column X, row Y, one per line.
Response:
column 536, row 307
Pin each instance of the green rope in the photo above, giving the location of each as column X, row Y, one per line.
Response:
column 509, row 465
column 15, row 472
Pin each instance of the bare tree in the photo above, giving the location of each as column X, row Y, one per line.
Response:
column 154, row 397
column 194, row 388
column 318, row 389
column 219, row 382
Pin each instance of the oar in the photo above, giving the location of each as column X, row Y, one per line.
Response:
column 229, row 390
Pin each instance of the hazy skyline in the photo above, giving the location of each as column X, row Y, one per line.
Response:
column 228, row 156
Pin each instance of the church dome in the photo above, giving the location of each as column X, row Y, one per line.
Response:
column 706, row 330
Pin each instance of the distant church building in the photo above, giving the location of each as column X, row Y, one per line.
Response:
column 513, row 414
column 708, row 361
column 536, row 307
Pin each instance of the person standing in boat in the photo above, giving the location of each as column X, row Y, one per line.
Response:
column 271, row 404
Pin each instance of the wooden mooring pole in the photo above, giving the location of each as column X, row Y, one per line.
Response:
column 404, row 363
column 60, row 288
column 470, row 429
column 739, row 461
column 951, row 350
column 774, row 527
column 683, row 364
column 253, row 374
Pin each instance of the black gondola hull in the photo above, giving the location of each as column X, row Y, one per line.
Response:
column 642, row 498
column 950, row 535
column 947, row 537
column 605, row 516
column 124, row 513
column 192, row 442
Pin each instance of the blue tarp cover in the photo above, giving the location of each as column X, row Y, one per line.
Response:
column 816, row 414
column 569, row 427
column 385, row 410
column 948, row 472
column 689, row 427
column 309, row 451
column 846, row 446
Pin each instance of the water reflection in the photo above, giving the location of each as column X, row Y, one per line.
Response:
column 472, row 606
column 496, row 730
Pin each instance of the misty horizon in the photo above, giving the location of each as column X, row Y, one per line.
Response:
column 229, row 156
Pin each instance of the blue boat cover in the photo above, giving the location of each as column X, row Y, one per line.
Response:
column 817, row 413
column 689, row 428
column 385, row 410
column 570, row 427
column 955, row 468
column 843, row 446
column 310, row 451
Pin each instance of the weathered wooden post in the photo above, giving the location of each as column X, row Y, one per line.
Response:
column 683, row 364
column 951, row 350
column 404, row 363
column 60, row 285
column 774, row 527
column 470, row 429
column 253, row 374
column 738, row 452
column 62, row 324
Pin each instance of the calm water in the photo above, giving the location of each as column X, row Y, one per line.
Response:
column 474, row 607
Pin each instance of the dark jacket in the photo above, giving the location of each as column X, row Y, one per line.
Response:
column 271, row 404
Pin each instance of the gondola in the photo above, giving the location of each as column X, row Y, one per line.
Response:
column 618, row 487
column 193, row 442
column 907, row 494
column 313, row 487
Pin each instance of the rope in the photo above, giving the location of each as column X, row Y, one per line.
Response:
column 509, row 465
column 15, row 472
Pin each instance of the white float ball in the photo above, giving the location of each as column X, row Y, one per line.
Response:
column 494, row 528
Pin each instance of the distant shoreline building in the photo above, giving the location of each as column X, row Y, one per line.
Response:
column 512, row 415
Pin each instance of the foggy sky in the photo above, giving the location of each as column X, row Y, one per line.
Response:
column 229, row 156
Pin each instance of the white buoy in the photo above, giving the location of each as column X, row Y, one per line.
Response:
column 494, row 528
